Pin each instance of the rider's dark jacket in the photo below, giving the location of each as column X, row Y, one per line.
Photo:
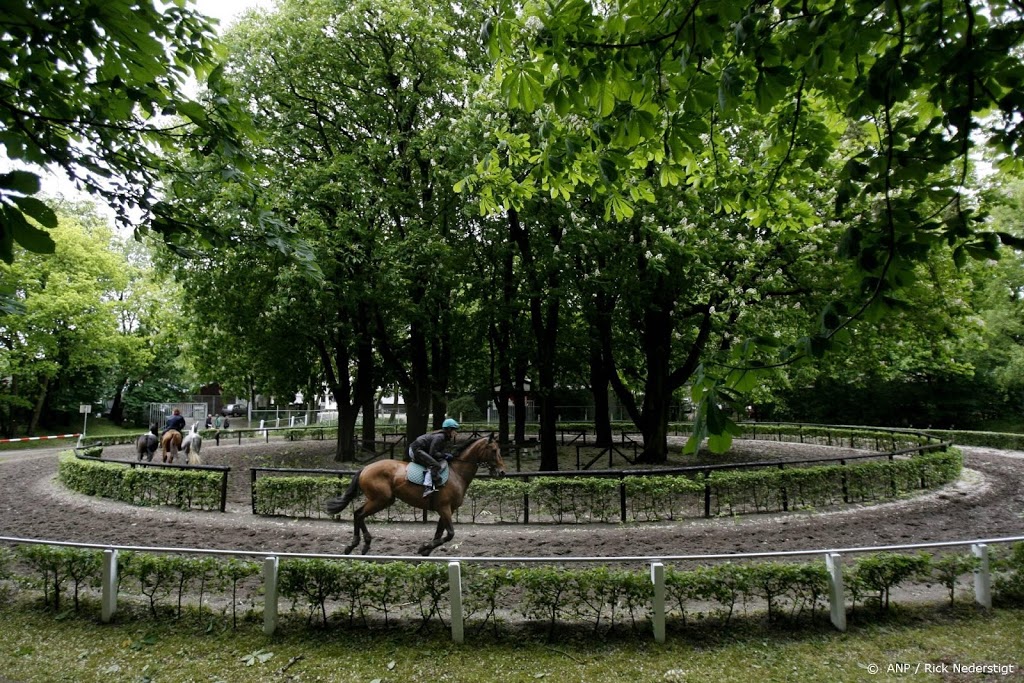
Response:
column 175, row 422
column 428, row 449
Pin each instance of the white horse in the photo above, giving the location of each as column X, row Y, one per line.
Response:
column 192, row 444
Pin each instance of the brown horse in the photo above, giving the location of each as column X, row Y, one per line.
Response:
column 385, row 481
column 170, row 442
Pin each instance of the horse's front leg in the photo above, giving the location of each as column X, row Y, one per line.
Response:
column 444, row 524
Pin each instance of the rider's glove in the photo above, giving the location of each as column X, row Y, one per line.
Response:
column 449, row 457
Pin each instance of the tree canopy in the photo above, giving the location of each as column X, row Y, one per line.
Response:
column 101, row 90
column 632, row 199
column 878, row 107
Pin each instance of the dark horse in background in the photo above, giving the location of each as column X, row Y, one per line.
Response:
column 385, row 481
column 145, row 445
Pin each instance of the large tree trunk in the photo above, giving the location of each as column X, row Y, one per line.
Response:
column 336, row 368
column 37, row 411
column 117, row 407
column 393, row 415
column 369, row 431
column 346, row 445
column 366, row 379
column 418, row 419
column 599, row 386
column 501, row 344
column 601, row 367
column 519, row 403
column 500, row 395
column 440, row 367
column 547, row 334
column 544, row 312
column 657, row 347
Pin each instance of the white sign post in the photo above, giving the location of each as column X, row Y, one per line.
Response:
column 84, row 409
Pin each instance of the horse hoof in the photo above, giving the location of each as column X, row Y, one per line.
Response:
column 348, row 550
column 425, row 550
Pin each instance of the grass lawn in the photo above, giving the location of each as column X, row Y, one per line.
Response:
column 97, row 426
column 923, row 643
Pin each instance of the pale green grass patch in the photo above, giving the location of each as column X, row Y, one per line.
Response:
column 38, row 646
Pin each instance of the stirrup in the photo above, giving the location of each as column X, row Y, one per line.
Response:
column 428, row 491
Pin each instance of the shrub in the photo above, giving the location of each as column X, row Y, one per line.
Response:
column 57, row 566
column 1008, row 566
column 299, row 496
column 947, row 571
column 884, row 571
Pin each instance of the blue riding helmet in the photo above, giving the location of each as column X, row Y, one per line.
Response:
column 449, row 424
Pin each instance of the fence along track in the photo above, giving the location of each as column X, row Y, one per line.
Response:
column 833, row 558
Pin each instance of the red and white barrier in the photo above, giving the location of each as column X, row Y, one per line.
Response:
column 40, row 438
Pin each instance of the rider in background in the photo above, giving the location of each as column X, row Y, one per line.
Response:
column 429, row 449
column 175, row 421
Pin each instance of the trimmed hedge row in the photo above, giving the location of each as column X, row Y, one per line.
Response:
column 649, row 498
column 602, row 598
column 296, row 496
column 166, row 584
column 141, row 485
column 1000, row 440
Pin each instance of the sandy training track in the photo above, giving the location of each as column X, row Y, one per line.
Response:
column 987, row 502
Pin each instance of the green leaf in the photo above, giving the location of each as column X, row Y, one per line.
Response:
column 37, row 209
column 719, row 443
column 28, row 236
column 24, row 182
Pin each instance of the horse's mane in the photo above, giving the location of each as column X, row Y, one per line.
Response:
column 457, row 451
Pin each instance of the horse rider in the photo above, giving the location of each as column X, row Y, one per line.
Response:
column 430, row 449
column 175, row 421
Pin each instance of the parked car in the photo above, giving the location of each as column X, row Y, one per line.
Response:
column 233, row 410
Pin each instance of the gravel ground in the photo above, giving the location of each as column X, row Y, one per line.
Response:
column 987, row 502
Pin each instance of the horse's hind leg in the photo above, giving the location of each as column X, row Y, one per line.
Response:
column 358, row 527
column 370, row 507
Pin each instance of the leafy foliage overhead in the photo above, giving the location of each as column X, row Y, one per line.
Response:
column 635, row 93
column 100, row 88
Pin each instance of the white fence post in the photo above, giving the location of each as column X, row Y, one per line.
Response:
column 658, row 601
column 455, row 594
column 109, row 588
column 836, row 591
column 270, row 566
column 982, row 576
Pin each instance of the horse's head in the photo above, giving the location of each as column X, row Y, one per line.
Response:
column 492, row 456
column 152, row 428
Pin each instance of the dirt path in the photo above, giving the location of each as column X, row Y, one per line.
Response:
column 987, row 502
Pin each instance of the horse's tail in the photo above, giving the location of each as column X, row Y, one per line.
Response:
column 339, row 503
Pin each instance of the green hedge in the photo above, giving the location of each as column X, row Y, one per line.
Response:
column 651, row 498
column 298, row 496
column 605, row 598
column 600, row 598
column 141, row 485
column 1000, row 440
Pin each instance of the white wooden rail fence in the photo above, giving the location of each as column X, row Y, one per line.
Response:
column 271, row 561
